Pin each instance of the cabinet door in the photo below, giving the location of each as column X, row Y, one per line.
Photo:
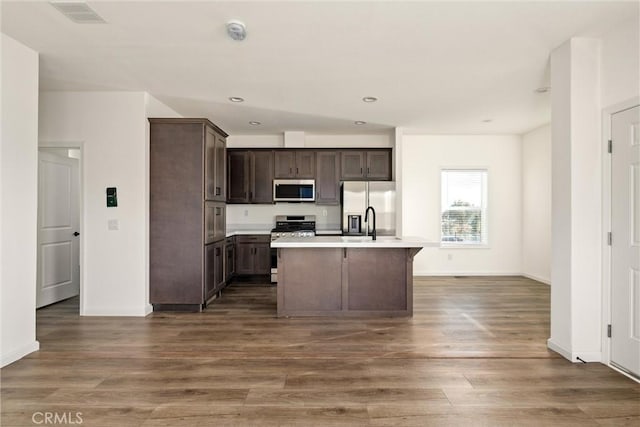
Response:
column 378, row 165
column 238, row 177
column 214, row 222
column 352, row 165
column 209, row 271
column 244, row 258
column 327, row 178
column 284, row 164
column 219, row 189
column 305, row 164
column 209, row 164
column 229, row 266
column 261, row 190
column 218, row 273
column 220, row 222
column 262, row 258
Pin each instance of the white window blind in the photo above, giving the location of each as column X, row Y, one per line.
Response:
column 464, row 207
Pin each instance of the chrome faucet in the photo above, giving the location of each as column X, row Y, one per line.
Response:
column 366, row 219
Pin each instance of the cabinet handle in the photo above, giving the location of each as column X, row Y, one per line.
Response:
column 290, row 171
column 217, row 251
column 217, row 191
column 367, row 170
column 297, row 171
column 361, row 170
column 250, row 195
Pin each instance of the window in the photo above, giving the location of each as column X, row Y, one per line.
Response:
column 464, row 207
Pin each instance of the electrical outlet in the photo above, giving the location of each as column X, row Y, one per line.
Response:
column 113, row 225
column 449, row 257
column 324, row 212
column 246, row 212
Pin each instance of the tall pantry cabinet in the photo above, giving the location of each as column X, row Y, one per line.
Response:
column 187, row 187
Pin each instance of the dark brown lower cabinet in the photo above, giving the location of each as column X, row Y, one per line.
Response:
column 253, row 254
column 230, row 260
column 213, row 268
column 366, row 282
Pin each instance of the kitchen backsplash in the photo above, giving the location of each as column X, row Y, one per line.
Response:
column 261, row 217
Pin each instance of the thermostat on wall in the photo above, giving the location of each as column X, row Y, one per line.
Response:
column 112, row 197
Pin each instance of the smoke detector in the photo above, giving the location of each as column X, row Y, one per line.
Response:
column 236, row 30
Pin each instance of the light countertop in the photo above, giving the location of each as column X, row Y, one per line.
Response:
column 352, row 242
column 231, row 233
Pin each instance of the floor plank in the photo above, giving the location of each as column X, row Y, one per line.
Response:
column 474, row 354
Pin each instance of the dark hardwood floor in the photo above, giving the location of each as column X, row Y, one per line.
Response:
column 474, row 354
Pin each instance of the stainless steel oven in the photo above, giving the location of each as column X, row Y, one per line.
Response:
column 290, row 226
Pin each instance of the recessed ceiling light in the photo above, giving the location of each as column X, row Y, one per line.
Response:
column 543, row 89
column 360, row 122
column 236, row 30
column 236, row 99
column 254, row 123
column 369, row 99
column 487, row 120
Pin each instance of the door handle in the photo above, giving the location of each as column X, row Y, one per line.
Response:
column 75, row 233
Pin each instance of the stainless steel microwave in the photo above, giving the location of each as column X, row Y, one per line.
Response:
column 294, row 190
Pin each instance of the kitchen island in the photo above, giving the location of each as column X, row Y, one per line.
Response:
column 346, row 276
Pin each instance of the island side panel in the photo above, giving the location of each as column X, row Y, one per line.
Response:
column 309, row 280
column 377, row 279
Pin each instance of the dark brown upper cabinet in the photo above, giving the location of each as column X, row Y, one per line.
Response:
column 294, row 164
column 327, row 177
column 366, row 165
column 215, row 165
column 250, row 176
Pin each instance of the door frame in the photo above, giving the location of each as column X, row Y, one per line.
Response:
column 607, row 113
column 75, row 145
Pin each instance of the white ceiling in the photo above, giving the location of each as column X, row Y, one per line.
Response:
column 436, row 67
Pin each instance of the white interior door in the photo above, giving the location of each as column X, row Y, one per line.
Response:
column 58, row 270
column 625, row 250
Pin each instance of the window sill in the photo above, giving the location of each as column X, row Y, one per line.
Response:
column 464, row 246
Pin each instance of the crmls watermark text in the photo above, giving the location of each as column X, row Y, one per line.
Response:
column 52, row 418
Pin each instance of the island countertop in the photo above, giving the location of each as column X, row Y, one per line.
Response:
column 352, row 242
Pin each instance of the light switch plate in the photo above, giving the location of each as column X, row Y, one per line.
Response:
column 113, row 225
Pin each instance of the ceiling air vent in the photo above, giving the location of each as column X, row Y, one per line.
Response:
column 78, row 12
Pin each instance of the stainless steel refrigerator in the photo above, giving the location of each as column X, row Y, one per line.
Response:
column 357, row 196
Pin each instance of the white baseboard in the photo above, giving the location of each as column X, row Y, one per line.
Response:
column 537, row 279
column 118, row 311
column 575, row 356
column 465, row 273
column 19, row 353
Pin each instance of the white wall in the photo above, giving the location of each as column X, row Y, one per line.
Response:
column 536, row 204
column 576, row 200
column 18, row 198
column 423, row 156
column 620, row 63
column 113, row 129
column 312, row 141
column 261, row 217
